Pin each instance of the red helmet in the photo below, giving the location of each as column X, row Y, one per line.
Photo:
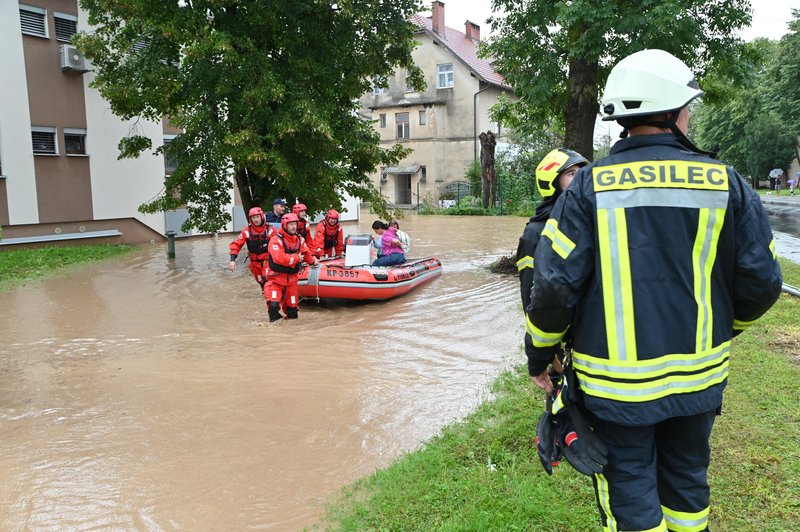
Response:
column 333, row 214
column 256, row 211
column 299, row 207
column 286, row 219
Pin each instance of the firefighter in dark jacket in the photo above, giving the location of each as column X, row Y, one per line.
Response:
column 553, row 176
column 655, row 257
column 287, row 251
column 256, row 237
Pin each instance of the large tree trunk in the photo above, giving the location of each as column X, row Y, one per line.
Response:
column 581, row 112
column 245, row 192
column 488, row 143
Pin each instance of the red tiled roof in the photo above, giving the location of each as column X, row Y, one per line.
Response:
column 464, row 48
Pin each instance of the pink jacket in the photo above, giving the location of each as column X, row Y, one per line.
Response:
column 386, row 242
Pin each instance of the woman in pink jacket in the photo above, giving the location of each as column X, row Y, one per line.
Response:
column 392, row 252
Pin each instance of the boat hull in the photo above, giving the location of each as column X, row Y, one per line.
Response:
column 331, row 279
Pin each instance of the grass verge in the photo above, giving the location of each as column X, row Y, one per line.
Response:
column 483, row 474
column 21, row 265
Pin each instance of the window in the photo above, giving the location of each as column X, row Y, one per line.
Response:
column 445, row 77
column 44, row 140
column 423, row 174
column 74, row 141
column 382, row 118
column 33, row 20
column 403, row 128
column 378, row 86
column 422, row 118
column 66, row 26
column 170, row 161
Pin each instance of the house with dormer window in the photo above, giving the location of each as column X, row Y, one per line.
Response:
column 442, row 123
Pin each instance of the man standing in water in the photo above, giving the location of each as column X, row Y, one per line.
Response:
column 287, row 251
column 657, row 256
column 256, row 236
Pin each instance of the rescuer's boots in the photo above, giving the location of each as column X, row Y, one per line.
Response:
column 274, row 311
column 291, row 313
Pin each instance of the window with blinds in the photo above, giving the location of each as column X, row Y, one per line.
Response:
column 66, row 26
column 44, row 140
column 33, row 20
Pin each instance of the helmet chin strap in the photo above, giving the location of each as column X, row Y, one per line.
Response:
column 672, row 125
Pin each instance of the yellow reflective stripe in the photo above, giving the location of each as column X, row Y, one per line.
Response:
column 604, row 502
column 704, row 254
column 626, row 284
column 561, row 242
column 608, row 282
column 650, row 368
column 685, row 521
column 661, row 527
column 638, row 392
column 525, row 262
column 660, row 174
column 542, row 338
column 741, row 325
column 615, row 265
column 772, row 249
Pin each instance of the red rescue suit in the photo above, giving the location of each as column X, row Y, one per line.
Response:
column 329, row 239
column 304, row 230
column 286, row 253
column 257, row 239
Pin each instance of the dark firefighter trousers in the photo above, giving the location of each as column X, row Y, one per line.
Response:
column 655, row 479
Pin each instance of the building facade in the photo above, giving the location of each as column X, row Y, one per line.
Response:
column 442, row 123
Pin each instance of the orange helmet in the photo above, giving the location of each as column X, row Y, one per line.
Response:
column 287, row 219
column 299, row 207
column 256, row 211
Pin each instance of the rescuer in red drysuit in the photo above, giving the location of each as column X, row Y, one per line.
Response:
column 287, row 251
column 328, row 238
column 256, row 236
column 303, row 227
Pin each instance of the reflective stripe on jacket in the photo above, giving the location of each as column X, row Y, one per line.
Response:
column 654, row 257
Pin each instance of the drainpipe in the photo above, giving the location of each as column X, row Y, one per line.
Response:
column 475, row 121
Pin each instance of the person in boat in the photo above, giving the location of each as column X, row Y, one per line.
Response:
column 553, row 175
column 256, row 237
column 379, row 227
column 278, row 210
column 392, row 251
column 287, row 252
column 303, row 227
column 329, row 240
column 402, row 236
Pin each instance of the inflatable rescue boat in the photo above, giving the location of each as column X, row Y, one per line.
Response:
column 332, row 279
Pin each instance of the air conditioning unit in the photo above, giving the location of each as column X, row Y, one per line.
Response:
column 72, row 60
column 384, row 178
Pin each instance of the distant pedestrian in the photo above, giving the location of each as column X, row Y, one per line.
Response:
column 793, row 184
column 278, row 210
column 778, row 186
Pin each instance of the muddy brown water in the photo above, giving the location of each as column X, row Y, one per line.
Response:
column 145, row 394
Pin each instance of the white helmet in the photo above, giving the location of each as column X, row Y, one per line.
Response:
column 648, row 82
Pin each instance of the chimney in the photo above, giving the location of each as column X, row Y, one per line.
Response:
column 437, row 17
column 472, row 30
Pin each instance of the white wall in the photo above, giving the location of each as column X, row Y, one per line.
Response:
column 16, row 147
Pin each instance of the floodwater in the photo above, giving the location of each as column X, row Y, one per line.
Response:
column 148, row 394
column 784, row 218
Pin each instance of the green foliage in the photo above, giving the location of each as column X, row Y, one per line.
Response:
column 473, row 175
column 783, row 90
column 266, row 94
column 25, row 264
column 483, row 473
column 557, row 55
column 743, row 125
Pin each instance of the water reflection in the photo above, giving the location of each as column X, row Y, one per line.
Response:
column 144, row 394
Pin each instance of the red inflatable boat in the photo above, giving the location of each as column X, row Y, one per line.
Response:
column 331, row 279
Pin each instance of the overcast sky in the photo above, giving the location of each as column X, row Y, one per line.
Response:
column 770, row 17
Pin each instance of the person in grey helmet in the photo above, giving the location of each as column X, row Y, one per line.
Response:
column 657, row 256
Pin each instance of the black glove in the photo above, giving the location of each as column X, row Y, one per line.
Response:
column 546, row 443
column 581, row 447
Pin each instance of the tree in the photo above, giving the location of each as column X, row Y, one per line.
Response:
column 488, row 181
column 265, row 92
column 557, row 54
column 742, row 125
column 783, row 90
